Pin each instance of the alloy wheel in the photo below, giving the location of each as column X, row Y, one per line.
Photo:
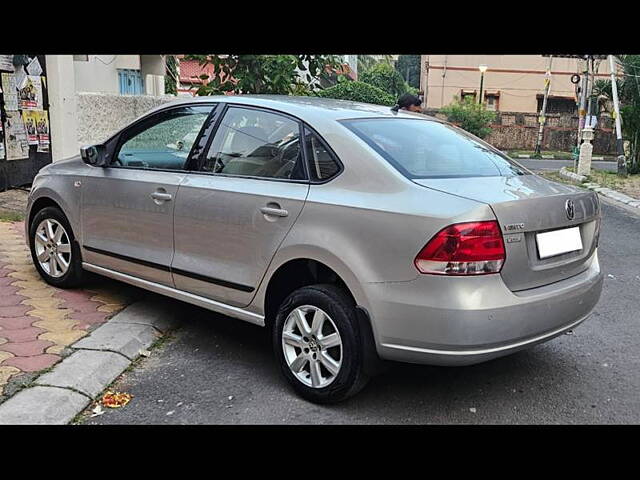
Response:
column 52, row 247
column 312, row 346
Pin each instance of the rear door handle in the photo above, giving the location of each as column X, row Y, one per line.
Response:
column 165, row 197
column 276, row 212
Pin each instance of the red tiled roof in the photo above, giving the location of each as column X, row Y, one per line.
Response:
column 190, row 71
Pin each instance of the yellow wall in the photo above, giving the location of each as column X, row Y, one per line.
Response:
column 518, row 78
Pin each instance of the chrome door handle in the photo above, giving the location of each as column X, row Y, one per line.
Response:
column 276, row 212
column 161, row 196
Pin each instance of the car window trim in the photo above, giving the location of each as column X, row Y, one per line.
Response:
column 223, row 111
column 119, row 138
column 332, row 153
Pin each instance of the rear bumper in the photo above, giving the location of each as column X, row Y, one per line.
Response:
column 461, row 321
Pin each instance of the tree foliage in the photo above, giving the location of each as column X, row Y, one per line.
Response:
column 264, row 74
column 386, row 78
column 629, row 97
column 358, row 92
column 171, row 76
column 409, row 67
column 470, row 116
column 367, row 62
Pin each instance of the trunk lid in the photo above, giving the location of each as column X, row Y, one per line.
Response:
column 526, row 205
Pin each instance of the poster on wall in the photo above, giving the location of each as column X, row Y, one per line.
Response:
column 9, row 91
column 1, row 142
column 6, row 63
column 16, row 137
column 30, row 118
column 34, row 67
column 42, row 127
column 30, row 93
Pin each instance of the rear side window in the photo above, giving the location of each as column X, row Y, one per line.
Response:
column 256, row 143
column 322, row 164
column 428, row 149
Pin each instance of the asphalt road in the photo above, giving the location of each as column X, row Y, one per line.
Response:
column 216, row 370
column 535, row 164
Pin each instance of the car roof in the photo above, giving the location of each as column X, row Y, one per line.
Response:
column 310, row 109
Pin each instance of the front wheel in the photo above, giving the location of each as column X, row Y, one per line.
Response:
column 317, row 343
column 54, row 251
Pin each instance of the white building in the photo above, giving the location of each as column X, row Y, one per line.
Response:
column 71, row 78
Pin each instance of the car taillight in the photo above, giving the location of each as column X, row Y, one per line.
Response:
column 473, row 248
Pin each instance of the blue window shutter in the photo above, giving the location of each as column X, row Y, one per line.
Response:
column 130, row 82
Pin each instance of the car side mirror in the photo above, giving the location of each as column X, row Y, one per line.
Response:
column 93, row 155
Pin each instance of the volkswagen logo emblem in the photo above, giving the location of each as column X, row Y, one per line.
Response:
column 568, row 206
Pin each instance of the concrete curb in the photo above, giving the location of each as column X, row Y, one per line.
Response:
column 572, row 177
column 605, row 192
column 97, row 360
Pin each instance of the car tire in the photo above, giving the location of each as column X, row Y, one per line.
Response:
column 308, row 358
column 65, row 273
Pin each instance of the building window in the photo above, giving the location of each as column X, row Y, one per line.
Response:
column 81, row 58
column 492, row 101
column 130, row 82
column 558, row 104
column 464, row 94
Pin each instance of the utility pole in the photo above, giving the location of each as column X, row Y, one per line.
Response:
column 622, row 164
column 542, row 119
column 424, row 78
column 583, row 103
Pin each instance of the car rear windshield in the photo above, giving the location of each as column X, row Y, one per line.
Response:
column 430, row 149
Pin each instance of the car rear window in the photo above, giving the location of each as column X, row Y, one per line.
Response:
column 429, row 149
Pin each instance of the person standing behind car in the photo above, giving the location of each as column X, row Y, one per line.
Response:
column 408, row 102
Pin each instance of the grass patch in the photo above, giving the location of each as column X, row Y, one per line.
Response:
column 629, row 185
column 11, row 216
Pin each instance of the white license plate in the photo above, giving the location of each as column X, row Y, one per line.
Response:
column 557, row 242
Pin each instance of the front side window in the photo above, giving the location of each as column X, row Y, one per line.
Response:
column 429, row 149
column 165, row 143
column 256, row 143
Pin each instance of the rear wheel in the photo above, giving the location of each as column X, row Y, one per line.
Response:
column 318, row 345
column 55, row 252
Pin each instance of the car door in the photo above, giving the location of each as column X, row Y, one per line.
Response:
column 127, row 207
column 234, row 211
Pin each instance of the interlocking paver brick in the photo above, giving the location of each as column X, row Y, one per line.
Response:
column 10, row 300
column 43, row 303
column 49, row 313
column 63, row 338
column 40, row 292
column 79, row 306
column 26, row 349
column 14, row 311
column 21, row 334
column 37, row 320
column 16, row 323
column 55, row 325
column 5, row 355
column 32, row 364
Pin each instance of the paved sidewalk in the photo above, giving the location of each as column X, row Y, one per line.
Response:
column 37, row 321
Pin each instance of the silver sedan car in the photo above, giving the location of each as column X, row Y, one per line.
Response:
column 356, row 234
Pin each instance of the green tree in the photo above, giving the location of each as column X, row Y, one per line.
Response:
column 265, row 74
column 409, row 67
column 171, row 76
column 469, row 115
column 386, row 78
column 366, row 62
column 629, row 97
column 358, row 92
